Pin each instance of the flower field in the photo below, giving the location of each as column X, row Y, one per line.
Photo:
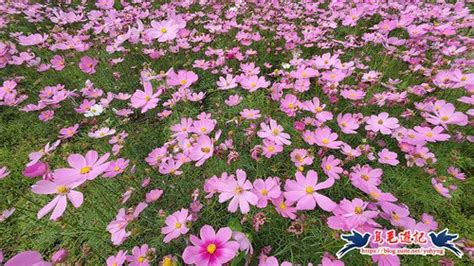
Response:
column 256, row 132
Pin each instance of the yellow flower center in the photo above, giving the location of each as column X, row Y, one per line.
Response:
column 276, row 131
column 270, row 148
column 85, row 170
column 374, row 194
column 309, row 189
column 61, row 189
column 205, row 149
column 264, row 192
column 178, row 225
column 304, row 74
column 365, row 177
column 141, row 259
column 445, row 118
column 380, row 122
column 291, row 106
column 203, row 129
column 238, row 190
column 211, row 248
column 253, row 84
column 183, row 81
column 147, row 98
column 116, row 168
column 318, row 109
column 358, row 210
column 344, row 124
column 463, row 78
column 167, row 262
column 163, row 30
column 395, row 216
column 282, row 206
column 429, row 134
column 328, row 167
column 325, row 141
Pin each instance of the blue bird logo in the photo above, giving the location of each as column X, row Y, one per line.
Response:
column 354, row 241
column 444, row 240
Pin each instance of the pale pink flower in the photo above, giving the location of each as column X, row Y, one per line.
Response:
column 383, row 123
column 146, row 99
column 176, row 225
column 239, row 192
column 274, row 132
column 388, row 157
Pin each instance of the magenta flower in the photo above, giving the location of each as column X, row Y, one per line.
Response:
column 58, row 63
column 382, row 123
column 438, row 186
column 270, row 148
column 176, row 225
column 153, row 195
column 303, row 191
column 239, row 192
column 116, row 167
column 62, row 186
column 212, row 248
column 285, row 208
column 274, row 132
column 432, row 134
column 88, row 64
column 352, row 214
column 36, row 170
column 4, row 172
column 145, row 99
column 183, row 78
column 84, row 168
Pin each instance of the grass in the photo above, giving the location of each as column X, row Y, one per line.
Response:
column 83, row 232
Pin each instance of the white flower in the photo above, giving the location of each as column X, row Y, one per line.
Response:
column 285, row 65
column 95, row 110
column 103, row 132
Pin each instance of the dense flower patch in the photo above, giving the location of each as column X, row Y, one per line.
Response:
column 199, row 132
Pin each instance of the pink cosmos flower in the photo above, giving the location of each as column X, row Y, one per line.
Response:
column 388, row 157
column 382, row 123
column 88, row 64
column 274, row 132
column 265, row 190
column 304, row 73
column 348, row 123
column 239, row 192
column 153, row 195
column 202, row 150
column 438, row 186
column 163, row 31
column 270, row 148
column 145, row 99
column 233, row 100
column 4, row 172
column 183, row 78
column 102, row 132
column 301, row 157
column 212, row 248
column 58, row 63
column 118, row 259
column 445, row 115
column 84, row 168
column 116, row 167
column 31, row 40
column 325, row 138
column 314, row 106
column 27, row 258
column 36, row 170
column 254, row 83
column 331, row 167
column 432, row 134
column 284, row 207
column 139, row 256
column 244, row 243
column 62, row 186
column 303, row 191
column 68, row 132
column 176, row 225
column 352, row 214
column 250, row 114
column 429, row 221
column 365, row 176
column 46, row 115
column 229, row 82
